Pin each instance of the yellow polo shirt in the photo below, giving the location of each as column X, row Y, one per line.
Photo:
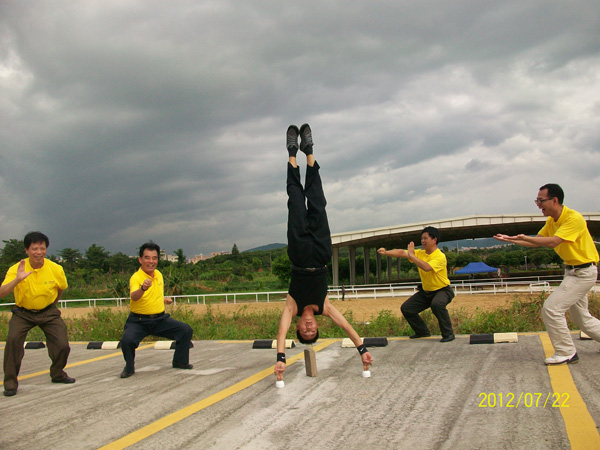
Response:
column 39, row 289
column 153, row 300
column 577, row 246
column 438, row 277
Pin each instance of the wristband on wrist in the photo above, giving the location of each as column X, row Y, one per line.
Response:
column 281, row 357
column 142, row 288
column 362, row 349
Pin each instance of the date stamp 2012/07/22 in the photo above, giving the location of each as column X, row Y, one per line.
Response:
column 523, row 400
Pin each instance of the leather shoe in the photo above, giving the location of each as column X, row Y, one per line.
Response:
column 10, row 392
column 448, row 338
column 417, row 336
column 182, row 366
column 66, row 380
column 126, row 373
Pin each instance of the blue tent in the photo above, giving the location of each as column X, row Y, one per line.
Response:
column 476, row 267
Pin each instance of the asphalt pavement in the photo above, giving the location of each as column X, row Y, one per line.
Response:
column 422, row 394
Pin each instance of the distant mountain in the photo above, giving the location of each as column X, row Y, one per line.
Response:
column 266, row 247
column 471, row 243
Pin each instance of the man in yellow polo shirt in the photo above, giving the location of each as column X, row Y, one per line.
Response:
column 38, row 284
column 567, row 233
column 434, row 292
column 148, row 317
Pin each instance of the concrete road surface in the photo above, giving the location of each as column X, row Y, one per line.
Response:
column 423, row 394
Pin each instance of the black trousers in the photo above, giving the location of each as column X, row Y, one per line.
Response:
column 137, row 328
column 437, row 301
column 309, row 237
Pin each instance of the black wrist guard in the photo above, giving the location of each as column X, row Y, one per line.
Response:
column 362, row 349
column 281, row 357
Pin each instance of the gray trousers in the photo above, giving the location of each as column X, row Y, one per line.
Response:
column 572, row 296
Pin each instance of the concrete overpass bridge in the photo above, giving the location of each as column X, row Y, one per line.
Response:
column 468, row 227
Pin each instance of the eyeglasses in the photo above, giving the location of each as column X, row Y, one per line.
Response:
column 539, row 201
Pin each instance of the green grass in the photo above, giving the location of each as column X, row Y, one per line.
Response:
column 105, row 324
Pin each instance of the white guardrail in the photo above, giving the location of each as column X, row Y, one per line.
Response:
column 483, row 286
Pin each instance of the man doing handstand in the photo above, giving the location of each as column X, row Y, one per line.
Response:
column 309, row 250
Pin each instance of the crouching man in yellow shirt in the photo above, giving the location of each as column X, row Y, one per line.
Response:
column 148, row 317
column 38, row 284
column 435, row 291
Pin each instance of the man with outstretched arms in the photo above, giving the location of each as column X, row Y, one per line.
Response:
column 434, row 292
column 567, row 233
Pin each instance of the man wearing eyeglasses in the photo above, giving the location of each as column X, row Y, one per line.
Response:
column 567, row 233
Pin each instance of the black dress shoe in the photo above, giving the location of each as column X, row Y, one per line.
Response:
column 10, row 392
column 417, row 336
column 448, row 338
column 182, row 366
column 126, row 373
column 66, row 380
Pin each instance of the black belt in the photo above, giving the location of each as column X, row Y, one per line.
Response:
column 148, row 316
column 309, row 269
column 36, row 311
column 580, row 266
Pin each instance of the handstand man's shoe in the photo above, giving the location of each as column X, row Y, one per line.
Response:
column 292, row 140
column 306, row 141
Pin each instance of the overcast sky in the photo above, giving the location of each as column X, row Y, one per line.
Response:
column 123, row 121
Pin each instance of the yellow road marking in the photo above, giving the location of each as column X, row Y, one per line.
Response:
column 79, row 363
column 177, row 416
column 581, row 428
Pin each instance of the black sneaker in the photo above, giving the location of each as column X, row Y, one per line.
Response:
column 306, row 142
column 292, row 140
column 10, row 392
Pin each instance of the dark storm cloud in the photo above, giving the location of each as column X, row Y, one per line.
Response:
column 127, row 120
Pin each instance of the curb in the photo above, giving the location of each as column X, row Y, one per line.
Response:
column 34, row 345
column 493, row 338
column 368, row 342
column 272, row 343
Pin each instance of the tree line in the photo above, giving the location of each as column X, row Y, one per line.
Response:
column 97, row 272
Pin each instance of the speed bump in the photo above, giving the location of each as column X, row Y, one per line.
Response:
column 493, row 338
column 272, row 343
column 34, row 345
column 584, row 337
column 368, row 342
column 168, row 345
column 106, row 345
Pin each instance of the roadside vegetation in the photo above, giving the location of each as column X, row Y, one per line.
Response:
column 97, row 274
column 102, row 324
